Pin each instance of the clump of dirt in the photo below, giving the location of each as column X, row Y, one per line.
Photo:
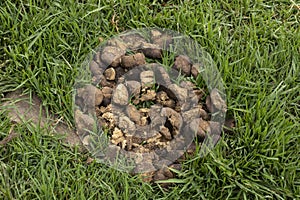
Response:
column 143, row 108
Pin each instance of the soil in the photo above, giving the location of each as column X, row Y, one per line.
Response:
column 28, row 108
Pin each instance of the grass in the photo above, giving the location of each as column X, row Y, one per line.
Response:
column 256, row 47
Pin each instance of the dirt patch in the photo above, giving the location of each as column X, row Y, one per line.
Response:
column 26, row 108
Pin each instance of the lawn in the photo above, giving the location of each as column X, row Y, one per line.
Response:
column 255, row 46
